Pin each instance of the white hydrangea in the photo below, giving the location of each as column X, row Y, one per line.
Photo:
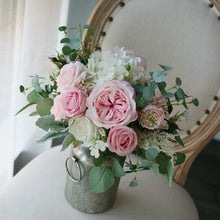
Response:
column 96, row 147
column 116, row 64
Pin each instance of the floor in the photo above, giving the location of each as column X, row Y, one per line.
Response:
column 203, row 182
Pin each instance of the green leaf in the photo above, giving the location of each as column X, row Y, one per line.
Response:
column 73, row 56
column 21, row 88
column 162, row 86
column 158, row 76
column 66, row 50
column 117, row 170
column 36, row 85
column 139, row 88
column 67, row 141
column 148, row 93
column 170, row 106
column 34, row 97
column 162, row 159
column 180, row 158
column 195, row 101
column 153, row 84
column 156, row 169
column 65, row 40
column 98, row 161
column 48, row 89
column 48, row 122
column 101, row 179
column 33, row 114
column 167, row 94
column 133, row 183
column 128, row 67
column 151, row 153
column 178, row 81
column 52, row 135
column 146, row 164
column 22, row 109
column 44, row 106
column 140, row 101
column 76, row 42
column 179, row 94
column 179, row 140
column 166, row 68
column 86, row 26
column 62, row 28
column 169, row 167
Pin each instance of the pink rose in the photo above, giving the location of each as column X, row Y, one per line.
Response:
column 56, row 110
column 73, row 102
column 111, row 103
column 71, row 75
column 122, row 140
column 152, row 117
column 131, row 53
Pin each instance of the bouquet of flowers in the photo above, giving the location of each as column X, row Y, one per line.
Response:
column 105, row 101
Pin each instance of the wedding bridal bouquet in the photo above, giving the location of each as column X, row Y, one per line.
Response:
column 105, row 101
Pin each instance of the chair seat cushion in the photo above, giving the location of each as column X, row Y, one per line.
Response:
column 37, row 192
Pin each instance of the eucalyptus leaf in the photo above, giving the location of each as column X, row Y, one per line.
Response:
column 117, row 170
column 156, row 169
column 166, row 68
column 33, row 114
column 158, row 76
column 34, row 97
column 162, row 86
column 44, row 106
column 151, row 153
column 86, row 26
column 36, row 85
column 153, row 84
column 178, row 81
column 76, row 42
column 21, row 88
column 67, row 141
column 52, row 135
column 66, row 50
column 146, row 164
column 133, row 183
column 98, row 161
column 139, row 88
column 48, row 122
column 73, row 56
column 140, row 101
column 101, row 179
column 162, row 159
column 148, row 93
column 65, row 40
column 195, row 101
column 62, row 28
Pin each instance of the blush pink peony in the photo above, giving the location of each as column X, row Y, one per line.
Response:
column 111, row 103
column 73, row 102
column 152, row 117
column 122, row 140
column 71, row 75
column 56, row 109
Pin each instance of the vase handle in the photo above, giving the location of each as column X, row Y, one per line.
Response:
column 77, row 165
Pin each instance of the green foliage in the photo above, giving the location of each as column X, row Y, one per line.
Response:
column 36, row 85
column 158, row 76
column 148, row 93
column 44, row 106
column 146, row 164
column 180, row 158
column 22, row 109
column 33, row 114
column 101, row 179
column 140, row 101
column 117, row 170
column 133, row 183
column 178, row 81
column 34, row 97
column 62, row 28
column 52, row 135
column 48, row 122
column 151, row 154
column 67, row 141
column 65, row 40
column 22, row 90
column 166, row 68
column 195, row 101
column 98, row 161
column 156, row 169
column 66, row 50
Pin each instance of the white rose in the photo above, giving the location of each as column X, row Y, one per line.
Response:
column 83, row 130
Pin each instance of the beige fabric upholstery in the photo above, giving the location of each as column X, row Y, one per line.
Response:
column 182, row 34
column 37, row 193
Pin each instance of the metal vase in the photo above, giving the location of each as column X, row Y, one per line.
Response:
column 78, row 191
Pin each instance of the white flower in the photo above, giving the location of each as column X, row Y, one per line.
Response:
column 96, row 147
column 83, row 130
column 116, row 64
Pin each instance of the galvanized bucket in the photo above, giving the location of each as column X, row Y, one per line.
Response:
column 78, row 191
